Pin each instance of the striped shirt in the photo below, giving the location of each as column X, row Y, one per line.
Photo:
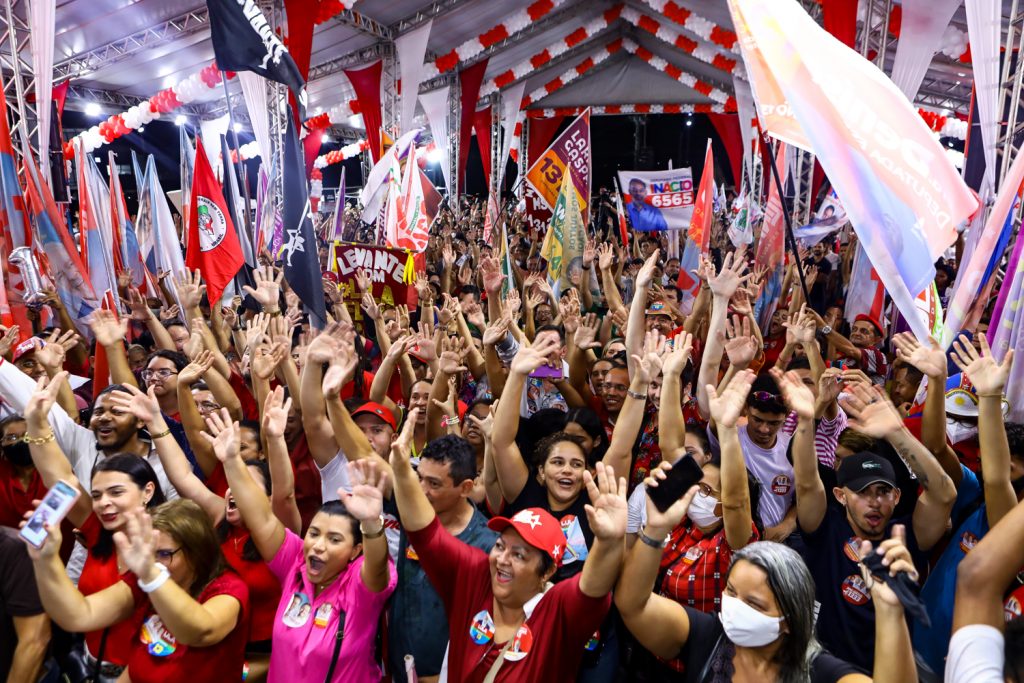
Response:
column 826, row 435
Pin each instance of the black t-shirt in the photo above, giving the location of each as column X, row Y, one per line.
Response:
column 575, row 524
column 846, row 620
column 707, row 640
column 819, row 289
column 18, row 594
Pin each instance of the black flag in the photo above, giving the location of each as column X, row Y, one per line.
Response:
column 244, row 41
column 301, row 260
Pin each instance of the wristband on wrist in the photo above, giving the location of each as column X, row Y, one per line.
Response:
column 636, row 394
column 160, row 434
column 161, row 579
column 648, row 541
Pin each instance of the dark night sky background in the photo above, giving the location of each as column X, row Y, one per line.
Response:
column 613, row 139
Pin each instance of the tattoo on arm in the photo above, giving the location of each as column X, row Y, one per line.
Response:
column 908, row 455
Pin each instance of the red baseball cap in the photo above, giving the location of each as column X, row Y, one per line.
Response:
column 377, row 410
column 538, row 528
column 26, row 347
column 864, row 317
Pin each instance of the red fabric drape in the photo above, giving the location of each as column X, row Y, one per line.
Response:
column 469, row 92
column 366, row 82
column 60, row 94
column 841, row 19
column 542, row 132
column 482, row 128
column 311, row 147
column 728, row 128
column 817, row 180
column 301, row 15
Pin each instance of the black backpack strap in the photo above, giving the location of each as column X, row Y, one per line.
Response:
column 99, row 655
column 339, row 636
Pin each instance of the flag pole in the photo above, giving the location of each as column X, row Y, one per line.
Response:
column 790, row 239
column 238, row 153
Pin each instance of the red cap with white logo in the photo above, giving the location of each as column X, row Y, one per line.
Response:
column 538, row 528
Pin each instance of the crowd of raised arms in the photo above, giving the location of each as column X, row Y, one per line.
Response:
column 465, row 488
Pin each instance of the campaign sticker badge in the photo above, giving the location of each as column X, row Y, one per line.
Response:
column 693, row 554
column 782, row 484
column 158, row 640
column 968, row 541
column 323, row 615
column 410, row 554
column 297, row 612
column 521, row 644
column 592, row 643
column 854, row 590
column 852, row 549
column 481, row 631
column 1011, row 610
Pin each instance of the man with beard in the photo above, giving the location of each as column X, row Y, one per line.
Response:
column 868, row 493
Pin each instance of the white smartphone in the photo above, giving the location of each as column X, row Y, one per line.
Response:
column 56, row 504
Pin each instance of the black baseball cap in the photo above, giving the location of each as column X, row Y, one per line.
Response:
column 861, row 470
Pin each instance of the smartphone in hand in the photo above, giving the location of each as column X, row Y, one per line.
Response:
column 52, row 510
column 684, row 473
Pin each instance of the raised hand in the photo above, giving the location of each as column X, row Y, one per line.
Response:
column 327, row 345
column 930, row 360
column 453, row 355
column 144, row 406
column 256, row 330
column 190, row 289
column 483, row 425
column 896, row 557
column 426, row 346
column 607, row 510
column 136, row 544
column 987, row 376
column 830, row 384
column 137, row 305
column 54, row 539
column 401, row 448
column 492, row 275
column 605, row 256
column 586, row 332
column 870, row 411
column 727, row 407
column 224, row 434
column 275, row 413
column 43, row 398
column 648, row 364
column 9, row 339
column 266, row 359
column 589, row 252
column 363, row 280
column 659, row 523
column 675, row 361
column 725, row 284
column 646, row 274
column 797, row 396
column 741, row 346
column 194, row 371
column 171, row 313
column 268, row 286
column 369, row 305
column 800, row 328
column 447, row 406
column 529, row 358
column 513, row 302
column 51, row 353
column 195, row 343
column 107, row 329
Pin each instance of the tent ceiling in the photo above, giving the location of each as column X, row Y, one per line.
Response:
column 88, row 25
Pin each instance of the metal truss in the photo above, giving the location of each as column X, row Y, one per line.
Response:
column 436, row 9
column 389, row 106
column 1011, row 118
column 802, row 174
column 358, row 58
column 454, row 121
column 98, row 58
column 497, row 133
column 15, row 60
column 364, row 24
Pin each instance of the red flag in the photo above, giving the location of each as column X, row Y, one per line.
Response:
column 700, row 223
column 213, row 245
column 771, row 246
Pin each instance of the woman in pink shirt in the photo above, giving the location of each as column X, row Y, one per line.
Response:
column 334, row 581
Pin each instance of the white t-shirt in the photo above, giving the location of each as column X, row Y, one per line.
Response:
column 976, row 655
column 334, row 476
column 773, row 471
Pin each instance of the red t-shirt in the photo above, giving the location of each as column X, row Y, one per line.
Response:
column 548, row 646
column 157, row 658
column 16, row 499
column 217, row 482
column 98, row 574
column 308, row 494
column 264, row 588
column 250, row 410
column 349, row 390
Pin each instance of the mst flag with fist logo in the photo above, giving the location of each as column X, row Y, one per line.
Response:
column 213, row 245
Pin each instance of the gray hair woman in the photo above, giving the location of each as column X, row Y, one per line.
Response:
column 766, row 628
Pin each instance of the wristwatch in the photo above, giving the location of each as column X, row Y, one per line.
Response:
column 647, row 540
column 826, row 330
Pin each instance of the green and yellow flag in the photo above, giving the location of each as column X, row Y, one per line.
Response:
column 565, row 238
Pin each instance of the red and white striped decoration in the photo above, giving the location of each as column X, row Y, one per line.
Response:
column 705, row 52
column 571, row 74
column 694, row 23
column 510, row 25
column 709, row 90
column 338, row 155
column 631, row 109
column 537, row 61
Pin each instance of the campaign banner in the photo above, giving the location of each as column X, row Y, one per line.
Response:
column 831, row 216
column 385, row 266
column 538, row 216
column 658, row 200
column 570, row 151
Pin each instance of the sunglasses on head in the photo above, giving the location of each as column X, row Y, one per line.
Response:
column 766, row 396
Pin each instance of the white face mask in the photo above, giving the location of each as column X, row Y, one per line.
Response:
column 702, row 511
column 747, row 627
column 959, row 431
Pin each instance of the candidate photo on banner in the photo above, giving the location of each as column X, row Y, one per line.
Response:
column 658, row 200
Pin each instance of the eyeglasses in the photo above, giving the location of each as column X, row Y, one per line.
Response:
column 208, row 407
column 706, row 491
column 165, row 556
column 9, row 439
column 766, row 396
column 163, row 373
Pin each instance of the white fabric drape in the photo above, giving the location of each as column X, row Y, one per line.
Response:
column 411, row 47
column 921, row 29
column 510, row 101
column 984, row 28
column 42, row 18
column 745, row 110
column 254, row 90
column 435, row 106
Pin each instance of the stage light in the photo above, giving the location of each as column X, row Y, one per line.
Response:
column 238, row 127
column 180, row 120
column 92, row 109
column 325, row 139
column 689, row 122
column 434, row 156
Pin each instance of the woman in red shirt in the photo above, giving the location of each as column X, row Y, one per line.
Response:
column 120, row 483
column 274, row 476
column 188, row 611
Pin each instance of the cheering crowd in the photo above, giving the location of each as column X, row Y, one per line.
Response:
column 505, row 482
